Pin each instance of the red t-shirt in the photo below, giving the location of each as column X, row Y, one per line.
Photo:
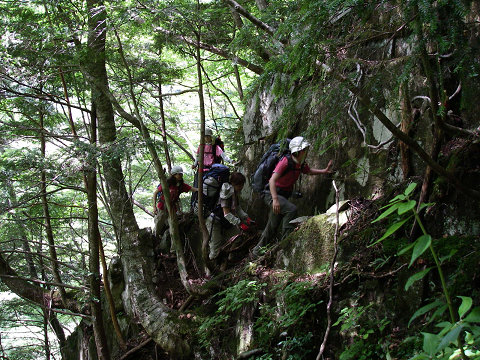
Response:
column 175, row 192
column 288, row 178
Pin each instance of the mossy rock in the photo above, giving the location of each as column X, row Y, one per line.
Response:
column 309, row 249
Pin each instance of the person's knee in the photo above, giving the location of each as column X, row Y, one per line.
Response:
column 291, row 210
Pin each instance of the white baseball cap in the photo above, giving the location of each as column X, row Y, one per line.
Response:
column 297, row 144
column 177, row 169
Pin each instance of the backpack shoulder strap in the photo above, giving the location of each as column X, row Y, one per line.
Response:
column 217, row 159
column 159, row 194
column 291, row 165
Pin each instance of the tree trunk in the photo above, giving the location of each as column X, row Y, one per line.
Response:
column 94, row 247
column 48, row 225
column 162, row 116
column 201, row 218
column 407, row 116
column 160, row 322
column 45, row 335
column 172, row 216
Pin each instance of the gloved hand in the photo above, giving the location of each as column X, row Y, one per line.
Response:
column 249, row 221
column 244, row 227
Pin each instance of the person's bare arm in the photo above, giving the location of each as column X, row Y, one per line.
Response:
column 273, row 190
column 327, row 170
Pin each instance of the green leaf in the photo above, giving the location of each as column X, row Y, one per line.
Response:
column 474, row 316
column 391, row 230
column 405, row 249
column 406, row 206
column 410, row 188
column 416, row 277
column 398, row 197
column 421, row 244
column 420, row 357
column 452, row 336
column 465, row 306
column 390, row 210
column 424, row 310
column 423, row 206
column 446, row 327
column 475, row 331
column 430, row 343
column 438, row 313
column 449, row 256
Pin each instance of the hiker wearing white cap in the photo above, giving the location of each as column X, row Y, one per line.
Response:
column 176, row 187
column 280, row 188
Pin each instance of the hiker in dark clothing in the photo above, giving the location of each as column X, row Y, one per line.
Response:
column 280, row 188
column 228, row 217
column 176, row 187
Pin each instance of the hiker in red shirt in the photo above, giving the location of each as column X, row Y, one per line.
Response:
column 281, row 184
column 176, row 187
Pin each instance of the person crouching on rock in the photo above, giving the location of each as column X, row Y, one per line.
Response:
column 228, row 217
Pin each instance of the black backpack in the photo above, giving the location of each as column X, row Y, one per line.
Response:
column 270, row 159
column 218, row 142
column 159, row 196
column 213, row 180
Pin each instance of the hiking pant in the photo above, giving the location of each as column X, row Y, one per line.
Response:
column 219, row 235
column 160, row 222
column 161, row 232
column 288, row 212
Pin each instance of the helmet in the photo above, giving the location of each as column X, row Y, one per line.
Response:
column 177, row 169
column 208, row 132
column 298, row 143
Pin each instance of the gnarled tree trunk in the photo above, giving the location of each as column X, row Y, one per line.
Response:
column 160, row 322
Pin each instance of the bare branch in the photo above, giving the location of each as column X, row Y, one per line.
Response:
column 36, row 281
column 332, row 274
column 257, row 22
column 175, row 93
column 255, row 68
column 406, row 139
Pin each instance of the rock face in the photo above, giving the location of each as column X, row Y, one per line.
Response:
column 368, row 161
column 310, row 248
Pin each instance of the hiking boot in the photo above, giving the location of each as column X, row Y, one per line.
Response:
column 258, row 250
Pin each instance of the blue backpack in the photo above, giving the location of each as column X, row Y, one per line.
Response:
column 270, row 159
column 213, row 180
column 219, row 172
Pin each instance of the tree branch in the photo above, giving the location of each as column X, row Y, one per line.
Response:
column 332, row 274
column 214, row 50
column 405, row 138
column 257, row 22
column 23, row 288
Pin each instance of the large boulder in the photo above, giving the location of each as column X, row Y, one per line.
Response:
column 310, row 248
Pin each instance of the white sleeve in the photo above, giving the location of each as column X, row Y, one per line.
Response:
column 226, row 158
column 241, row 214
column 232, row 219
column 226, row 191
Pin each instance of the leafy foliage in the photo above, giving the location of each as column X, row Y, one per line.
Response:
column 44, row 44
column 456, row 336
column 230, row 302
column 289, row 318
